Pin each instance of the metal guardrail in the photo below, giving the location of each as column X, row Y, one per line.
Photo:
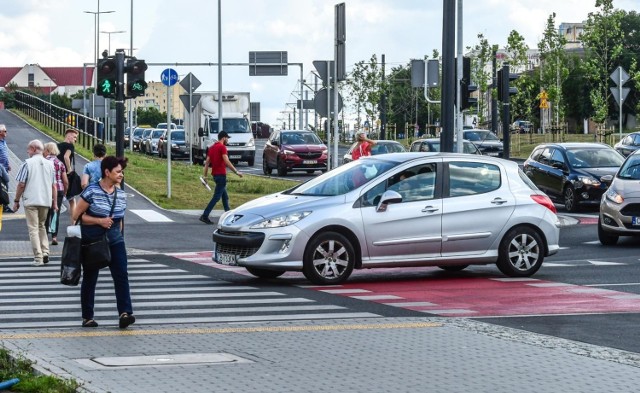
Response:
column 90, row 131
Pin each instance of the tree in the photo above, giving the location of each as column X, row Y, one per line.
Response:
column 523, row 102
column 365, row 85
column 553, row 65
column 150, row 116
column 481, row 60
column 602, row 39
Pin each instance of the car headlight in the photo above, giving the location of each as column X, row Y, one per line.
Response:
column 324, row 152
column 251, row 143
column 174, row 146
column 613, row 196
column 281, row 221
column 289, row 152
column 590, row 181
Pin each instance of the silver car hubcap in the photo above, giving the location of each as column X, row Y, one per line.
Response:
column 524, row 252
column 330, row 259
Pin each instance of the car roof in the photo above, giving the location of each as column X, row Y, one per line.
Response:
column 308, row 131
column 409, row 156
column 576, row 145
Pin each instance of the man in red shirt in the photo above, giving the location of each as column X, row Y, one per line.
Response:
column 218, row 158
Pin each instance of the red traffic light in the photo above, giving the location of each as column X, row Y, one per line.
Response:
column 106, row 67
column 137, row 67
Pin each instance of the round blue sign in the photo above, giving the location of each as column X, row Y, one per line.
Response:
column 169, row 77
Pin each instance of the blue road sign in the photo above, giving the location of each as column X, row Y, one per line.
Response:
column 169, row 77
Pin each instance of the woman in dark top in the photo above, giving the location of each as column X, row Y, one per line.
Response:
column 95, row 206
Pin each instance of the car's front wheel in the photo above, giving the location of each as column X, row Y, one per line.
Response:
column 521, row 252
column 264, row 273
column 606, row 239
column 328, row 259
column 570, row 199
column 265, row 167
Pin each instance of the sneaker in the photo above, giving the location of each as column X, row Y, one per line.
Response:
column 37, row 263
column 54, row 242
column 45, row 259
column 126, row 320
column 206, row 220
column 7, row 209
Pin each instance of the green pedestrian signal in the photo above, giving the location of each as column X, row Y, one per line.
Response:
column 106, row 79
column 136, row 84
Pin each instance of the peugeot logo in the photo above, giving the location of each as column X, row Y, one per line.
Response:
column 232, row 219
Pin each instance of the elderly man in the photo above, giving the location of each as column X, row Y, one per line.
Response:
column 37, row 188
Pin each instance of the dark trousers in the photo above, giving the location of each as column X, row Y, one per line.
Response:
column 220, row 192
column 120, row 277
column 50, row 215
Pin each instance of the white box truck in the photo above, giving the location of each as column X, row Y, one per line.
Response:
column 235, row 121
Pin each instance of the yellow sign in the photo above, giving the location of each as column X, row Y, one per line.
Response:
column 543, row 96
column 544, row 104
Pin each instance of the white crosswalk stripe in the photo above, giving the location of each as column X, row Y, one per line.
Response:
column 31, row 297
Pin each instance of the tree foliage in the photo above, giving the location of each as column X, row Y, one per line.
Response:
column 365, row 87
column 553, row 65
column 480, row 63
column 150, row 116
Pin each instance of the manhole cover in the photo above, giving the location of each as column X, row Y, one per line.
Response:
column 165, row 360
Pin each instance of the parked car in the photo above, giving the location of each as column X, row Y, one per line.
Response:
column 151, row 142
column 381, row 147
column 571, row 173
column 163, row 126
column 146, row 134
column 179, row 148
column 137, row 137
column 521, row 126
column 294, row 150
column 628, row 144
column 400, row 209
column 620, row 205
column 433, row 145
column 486, row 141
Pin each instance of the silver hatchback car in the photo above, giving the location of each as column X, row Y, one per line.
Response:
column 620, row 205
column 399, row 209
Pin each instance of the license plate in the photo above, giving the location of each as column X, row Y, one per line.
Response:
column 635, row 221
column 235, row 157
column 493, row 154
column 226, row 259
column 309, row 162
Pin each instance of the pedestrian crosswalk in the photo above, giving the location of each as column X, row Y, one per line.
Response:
column 32, row 297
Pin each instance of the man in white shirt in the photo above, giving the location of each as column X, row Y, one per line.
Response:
column 37, row 188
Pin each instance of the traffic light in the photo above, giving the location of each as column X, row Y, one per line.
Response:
column 466, row 88
column 106, row 81
column 136, row 84
column 504, row 85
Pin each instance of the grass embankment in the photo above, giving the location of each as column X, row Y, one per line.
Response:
column 18, row 367
column 148, row 175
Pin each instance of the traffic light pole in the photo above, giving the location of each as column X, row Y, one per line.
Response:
column 506, row 111
column 120, row 103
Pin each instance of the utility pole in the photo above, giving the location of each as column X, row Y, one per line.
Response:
column 494, row 102
column 383, row 105
column 448, row 75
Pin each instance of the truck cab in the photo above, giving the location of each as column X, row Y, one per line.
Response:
column 241, row 145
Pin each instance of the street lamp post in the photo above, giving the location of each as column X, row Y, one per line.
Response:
column 50, row 87
column 109, row 34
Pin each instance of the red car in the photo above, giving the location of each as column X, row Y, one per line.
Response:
column 294, row 150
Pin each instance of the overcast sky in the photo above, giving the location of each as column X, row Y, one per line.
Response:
column 60, row 33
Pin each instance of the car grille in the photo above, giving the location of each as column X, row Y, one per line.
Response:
column 310, row 155
column 238, row 144
column 242, row 244
column 632, row 209
column 240, row 251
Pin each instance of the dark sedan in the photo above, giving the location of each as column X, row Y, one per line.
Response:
column 628, row 144
column 486, row 141
column 179, row 148
column 571, row 173
column 433, row 145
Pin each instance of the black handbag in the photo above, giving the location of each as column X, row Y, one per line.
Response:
column 75, row 186
column 70, row 266
column 96, row 253
column 4, row 195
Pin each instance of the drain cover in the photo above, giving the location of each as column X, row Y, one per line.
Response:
column 169, row 360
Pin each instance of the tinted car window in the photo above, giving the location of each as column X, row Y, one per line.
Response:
column 157, row 134
column 479, row 136
column 177, row 135
column 594, row 158
column 557, row 159
column 631, row 168
column 636, row 139
column 469, row 178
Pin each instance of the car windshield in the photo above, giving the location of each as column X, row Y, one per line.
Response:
column 631, row 168
column 345, row 178
column 177, row 136
column 594, row 158
column 382, row 148
column 479, row 136
column 147, row 133
column 138, row 132
column 300, row 138
column 157, row 134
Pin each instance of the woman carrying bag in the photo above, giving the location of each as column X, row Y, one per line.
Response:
column 101, row 208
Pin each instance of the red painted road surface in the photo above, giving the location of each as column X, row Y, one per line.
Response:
column 466, row 296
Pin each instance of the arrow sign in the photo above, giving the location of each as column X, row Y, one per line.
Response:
column 619, row 76
column 620, row 94
column 195, row 98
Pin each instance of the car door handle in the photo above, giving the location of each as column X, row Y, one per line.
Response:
column 430, row 209
column 498, row 201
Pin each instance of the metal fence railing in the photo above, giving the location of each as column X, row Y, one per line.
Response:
column 90, row 131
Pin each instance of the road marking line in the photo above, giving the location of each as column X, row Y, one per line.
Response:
column 603, row 263
column 151, row 215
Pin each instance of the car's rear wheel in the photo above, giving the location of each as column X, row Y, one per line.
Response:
column 454, row 268
column 265, row 167
column 570, row 200
column 282, row 168
column 521, row 252
column 328, row 259
column 606, row 239
column 264, row 273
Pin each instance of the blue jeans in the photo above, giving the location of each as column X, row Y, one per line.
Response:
column 118, row 268
column 220, row 192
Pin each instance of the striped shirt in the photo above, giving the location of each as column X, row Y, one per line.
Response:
column 59, row 168
column 4, row 154
column 100, row 201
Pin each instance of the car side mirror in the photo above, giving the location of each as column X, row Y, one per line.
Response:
column 200, row 132
column 607, row 179
column 557, row 165
column 387, row 198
